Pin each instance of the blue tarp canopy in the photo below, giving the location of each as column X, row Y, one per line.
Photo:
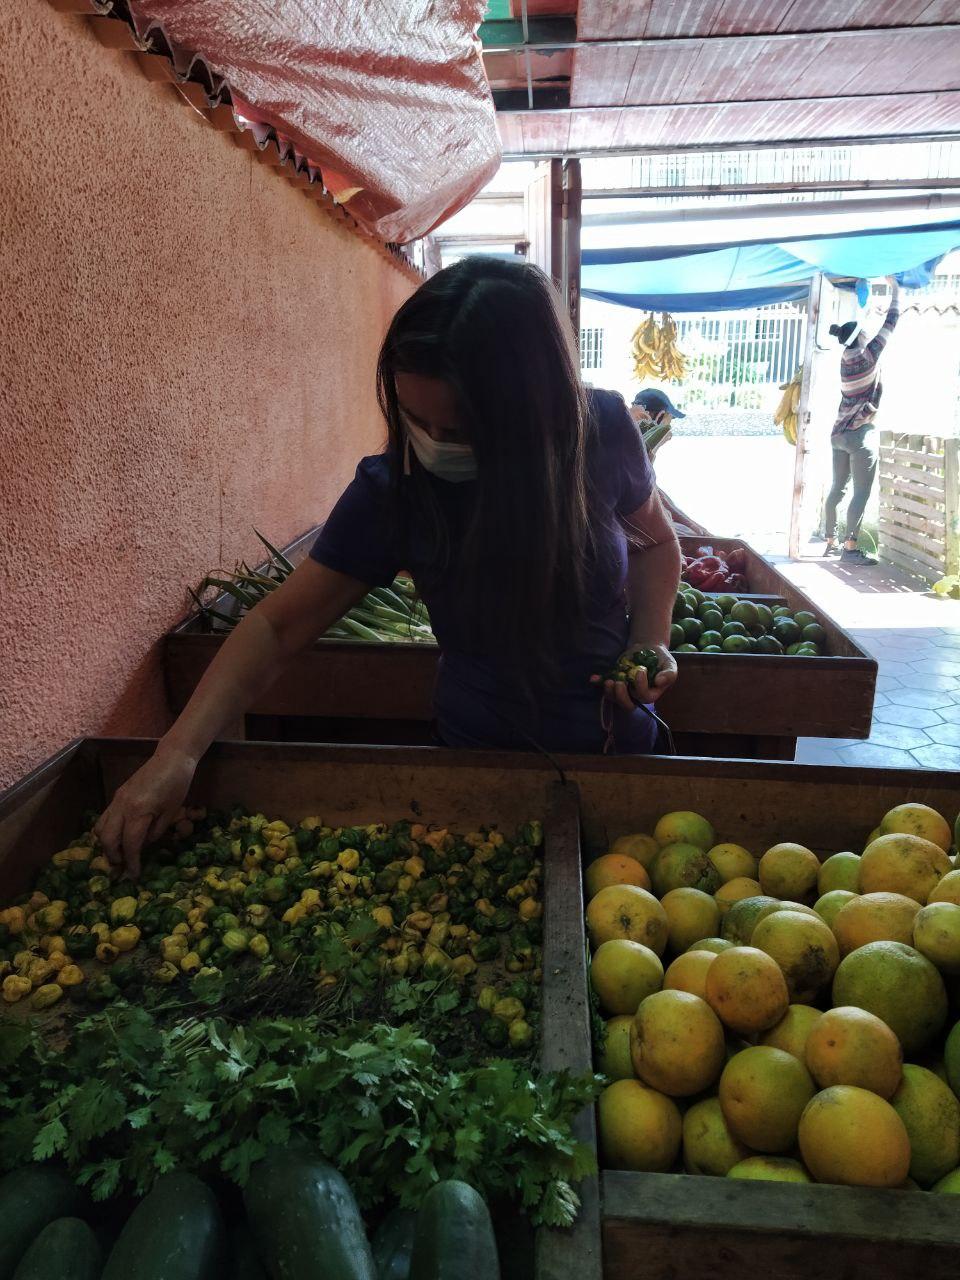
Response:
column 729, row 277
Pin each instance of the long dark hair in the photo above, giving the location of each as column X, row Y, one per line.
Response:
column 496, row 333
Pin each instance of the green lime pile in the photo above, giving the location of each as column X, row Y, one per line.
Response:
column 727, row 624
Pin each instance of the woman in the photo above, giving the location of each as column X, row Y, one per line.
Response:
column 854, row 452
column 525, row 511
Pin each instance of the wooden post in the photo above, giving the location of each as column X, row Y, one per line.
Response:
column 803, row 416
column 572, row 223
column 951, row 475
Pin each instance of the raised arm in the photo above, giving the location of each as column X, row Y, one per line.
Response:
column 876, row 345
column 252, row 657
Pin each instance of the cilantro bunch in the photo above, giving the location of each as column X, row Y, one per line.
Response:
column 129, row 1098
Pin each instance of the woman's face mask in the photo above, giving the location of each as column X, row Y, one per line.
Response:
column 442, row 458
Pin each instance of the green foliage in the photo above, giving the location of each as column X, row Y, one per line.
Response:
column 128, row 1099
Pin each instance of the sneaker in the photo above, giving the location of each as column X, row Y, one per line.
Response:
column 831, row 549
column 856, row 557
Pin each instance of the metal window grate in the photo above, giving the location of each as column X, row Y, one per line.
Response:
column 591, row 348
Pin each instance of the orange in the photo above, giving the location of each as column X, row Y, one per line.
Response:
column 769, row 1169
column 689, row 973
column 677, row 1043
column 623, row 973
column 947, row 889
column 639, row 1129
column 789, row 871
column 918, row 820
column 743, row 917
column 853, row 1137
column 803, row 947
column 615, row 1061
column 716, row 945
column 627, row 911
column 936, row 935
column 691, row 915
column 903, row 864
column 828, row 907
column 735, row 891
column 708, row 1145
column 875, row 917
column 614, row 868
column 684, row 827
column 747, row 990
column 680, row 866
column 641, row 848
column 790, row 1033
column 899, row 985
column 840, row 871
column 850, row 1046
column 763, row 1093
column 931, row 1116
column 733, row 862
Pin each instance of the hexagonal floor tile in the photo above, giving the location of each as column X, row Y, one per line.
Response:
column 891, row 668
column 815, row 751
column 929, row 680
column 937, row 756
column 934, row 667
column 916, row 717
column 875, row 757
column 948, row 734
column 904, row 737
column 951, row 713
column 947, row 640
column 930, row 698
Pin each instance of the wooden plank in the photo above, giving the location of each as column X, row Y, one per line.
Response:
column 908, row 504
column 952, row 494
column 905, row 563
column 922, row 483
column 921, row 558
column 803, row 413
column 934, row 526
column 566, row 1040
column 911, row 540
column 915, row 531
column 890, row 453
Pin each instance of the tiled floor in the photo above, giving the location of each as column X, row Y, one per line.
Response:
column 916, row 641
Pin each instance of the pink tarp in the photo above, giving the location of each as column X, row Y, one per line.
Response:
column 388, row 98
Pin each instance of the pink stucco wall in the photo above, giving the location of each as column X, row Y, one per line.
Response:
column 187, row 349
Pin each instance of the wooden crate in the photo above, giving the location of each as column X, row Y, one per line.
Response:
column 45, row 811
column 664, row 1226
column 749, row 705
column 919, row 503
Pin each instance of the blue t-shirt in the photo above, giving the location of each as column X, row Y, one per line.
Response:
column 479, row 700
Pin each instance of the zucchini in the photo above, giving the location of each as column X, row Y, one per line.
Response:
column 454, row 1239
column 66, row 1249
column 174, row 1233
column 30, row 1198
column 305, row 1220
column 393, row 1244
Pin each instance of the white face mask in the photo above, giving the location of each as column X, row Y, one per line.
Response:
column 442, row 458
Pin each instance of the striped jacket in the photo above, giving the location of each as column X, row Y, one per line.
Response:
column 860, row 387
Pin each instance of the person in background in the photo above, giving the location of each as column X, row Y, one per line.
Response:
column 854, row 452
column 654, row 406
column 526, row 510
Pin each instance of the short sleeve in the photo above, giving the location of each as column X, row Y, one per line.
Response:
column 360, row 538
column 625, row 455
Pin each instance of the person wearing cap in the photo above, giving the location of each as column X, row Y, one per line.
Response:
column 854, row 453
column 654, row 406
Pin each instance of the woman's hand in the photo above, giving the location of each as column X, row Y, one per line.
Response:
column 641, row 691
column 144, row 807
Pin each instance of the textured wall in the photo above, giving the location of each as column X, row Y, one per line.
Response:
column 187, row 348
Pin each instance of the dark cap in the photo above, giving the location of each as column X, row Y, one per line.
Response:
column 656, row 402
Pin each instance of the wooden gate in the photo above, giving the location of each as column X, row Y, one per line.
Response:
column 919, row 503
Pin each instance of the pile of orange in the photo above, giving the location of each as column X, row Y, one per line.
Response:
column 780, row 1017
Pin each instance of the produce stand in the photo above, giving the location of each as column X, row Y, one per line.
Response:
column 660, row 1226
column 44, row 812
column 723, row 704
column 654, row 1226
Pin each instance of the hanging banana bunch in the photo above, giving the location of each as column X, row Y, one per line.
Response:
column 655, row 351
column 786, row 412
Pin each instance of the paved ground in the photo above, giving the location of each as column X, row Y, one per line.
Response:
column 916, row 641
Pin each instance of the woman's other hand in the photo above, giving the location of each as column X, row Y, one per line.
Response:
column 641, row 691
column 144, row 807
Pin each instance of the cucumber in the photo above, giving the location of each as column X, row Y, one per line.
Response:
column 29, row 1199
column 174, row 1233
column 305, row 1220
column 66, row 1249
column 454, row 1238
column 393, row 1244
